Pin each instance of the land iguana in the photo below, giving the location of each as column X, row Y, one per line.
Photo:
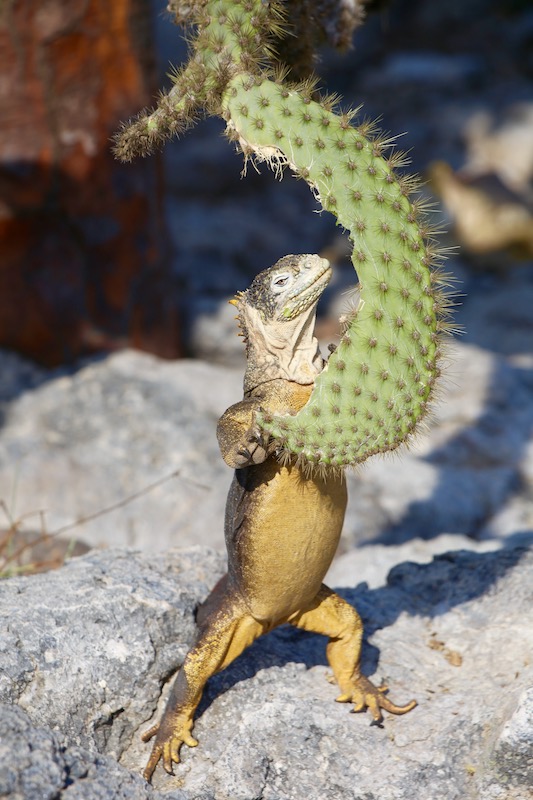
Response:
column 282, row 523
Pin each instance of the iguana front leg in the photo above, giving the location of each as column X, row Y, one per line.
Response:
column 240, row 440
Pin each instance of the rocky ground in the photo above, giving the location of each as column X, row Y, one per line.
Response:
column 120, row 453
column 86, row 649
column 137, row 434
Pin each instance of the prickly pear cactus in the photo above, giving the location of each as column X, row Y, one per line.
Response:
column 377, row 384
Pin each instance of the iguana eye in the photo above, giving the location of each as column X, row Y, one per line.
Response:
column 280, row 281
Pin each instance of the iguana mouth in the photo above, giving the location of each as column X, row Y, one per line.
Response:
column 305, row 296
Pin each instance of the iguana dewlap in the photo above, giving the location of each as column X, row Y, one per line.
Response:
column 282, row 525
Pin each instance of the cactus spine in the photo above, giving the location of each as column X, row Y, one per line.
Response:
column 377, row 384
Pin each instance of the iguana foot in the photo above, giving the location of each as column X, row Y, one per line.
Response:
column 167, row 745
column 364, row 694
column 254, row 448
column 254, row 451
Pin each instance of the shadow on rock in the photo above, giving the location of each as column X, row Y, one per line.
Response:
column 20, row 375
column 479, row 469
column 422, row 590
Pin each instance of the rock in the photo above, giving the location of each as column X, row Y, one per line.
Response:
column 38, row 764
column 88, row 646
column 513, row 752
column 83, row 442
column 497, row 315
column 373, row 562
column 102, row 632
column 502, row 147
column 466, row 472
column 18, row 375
column 213, row 336
column 486, row 215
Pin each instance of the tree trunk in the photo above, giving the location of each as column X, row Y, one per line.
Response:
column 81, row 261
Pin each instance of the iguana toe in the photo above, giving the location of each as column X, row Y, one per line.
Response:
column 364, row 695
column 167, row 746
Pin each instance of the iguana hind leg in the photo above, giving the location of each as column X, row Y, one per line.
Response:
column 224, row 633
column 332, row 616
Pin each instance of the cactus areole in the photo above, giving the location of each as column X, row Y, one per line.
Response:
column 378, row 382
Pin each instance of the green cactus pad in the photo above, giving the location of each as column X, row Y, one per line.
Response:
column 377, row 384
column 230, row 37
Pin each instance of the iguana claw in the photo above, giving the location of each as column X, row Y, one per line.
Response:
column 254, row 449
column 167, row 746
column 363, row 694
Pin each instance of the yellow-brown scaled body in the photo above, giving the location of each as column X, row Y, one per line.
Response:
column 282, row 528
column 282, row 525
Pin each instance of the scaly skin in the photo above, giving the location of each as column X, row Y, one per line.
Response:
column 282, row 525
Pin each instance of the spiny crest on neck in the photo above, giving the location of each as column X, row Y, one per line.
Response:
column 238, row 301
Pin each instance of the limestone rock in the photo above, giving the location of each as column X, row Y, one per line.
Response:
column 38, row 764
column 86, row 648
column 83, row 442
column 502, row 147
column 487, row 216
column 514, row 748
column 97, row 628
column 79, row 443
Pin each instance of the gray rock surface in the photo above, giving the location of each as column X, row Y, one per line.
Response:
column 80, row 443
column 38, row 764
column 83, row 442
column 470, row 473
column 101, row 634
column 87, row 648
column 513, row 752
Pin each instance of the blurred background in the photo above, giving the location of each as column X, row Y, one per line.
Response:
column 112, row 274
column 96, row 255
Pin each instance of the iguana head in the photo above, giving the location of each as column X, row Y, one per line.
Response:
column 276, row 317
